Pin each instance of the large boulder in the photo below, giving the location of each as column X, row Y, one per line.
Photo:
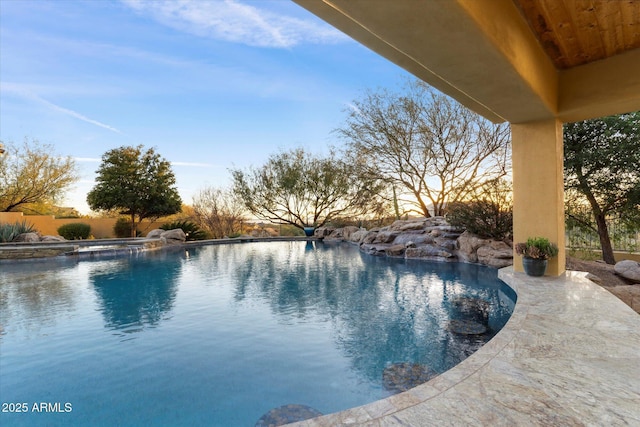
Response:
column 429, row 251
column 628, row 269
column 495, row 254
column 155, row 233
column 395, row 250
column 27, row 238
column 386, row 236
column 324, row 232
column 407, row 225
column 468, row 245
column 338, row 233
column 173, row 237
column 417, row 238
column 357, row 236
column 370, row 237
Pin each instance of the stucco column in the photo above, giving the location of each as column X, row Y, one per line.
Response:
column 538, row 187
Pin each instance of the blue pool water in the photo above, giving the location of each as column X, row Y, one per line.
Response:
column 220, row 335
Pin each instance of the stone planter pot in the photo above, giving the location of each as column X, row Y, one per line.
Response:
column 534, row 267
column 308, row 231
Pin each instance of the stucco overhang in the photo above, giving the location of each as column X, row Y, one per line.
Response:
column 485, row 54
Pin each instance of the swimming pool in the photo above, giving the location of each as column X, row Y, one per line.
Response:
column 220, row 335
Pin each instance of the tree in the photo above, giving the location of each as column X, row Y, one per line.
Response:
column 303, row 190
column 601, row 163
column 139, row 184
column 33, row 174
column 426, row 144
column 220, row 212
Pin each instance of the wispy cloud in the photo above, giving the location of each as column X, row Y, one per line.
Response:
column 237, row 22
column 22, row 92
column 195, row 165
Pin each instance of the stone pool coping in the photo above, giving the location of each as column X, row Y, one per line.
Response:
column 569, row 355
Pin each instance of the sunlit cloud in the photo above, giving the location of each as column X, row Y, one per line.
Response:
column 237, row 22
column 20, row 91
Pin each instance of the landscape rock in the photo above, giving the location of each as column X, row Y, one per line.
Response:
column 173, row 237
column 402, row 226
column 27, row 238
column 357, row 236
column 495, row 254
column 468, row 245
column 386, row 236
column 324, row 232
column 370, row 237
column 431, row 238
column 52, row 239
column 336, row 233
column 155, row 233
column 628, row 269
column 377, row 250
column 417, row 237
column 430, row 251
column 395, row 250
column 595, row 279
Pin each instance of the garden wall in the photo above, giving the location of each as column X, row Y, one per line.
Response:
column 46, row 225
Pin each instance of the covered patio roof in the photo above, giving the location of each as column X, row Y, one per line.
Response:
column 508, row 60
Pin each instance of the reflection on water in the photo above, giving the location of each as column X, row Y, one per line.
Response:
column 34, row 297
column 133, row 295
column 382, row 310
column 250, row 326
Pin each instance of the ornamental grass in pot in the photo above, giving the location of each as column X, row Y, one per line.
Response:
column 535, row 253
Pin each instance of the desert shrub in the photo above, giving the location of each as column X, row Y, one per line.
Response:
column 489, row 214
column 122, row 229
column 191, row 230
column 289, row 230
column 75, row 231
column 8, row 232
column 483, row 218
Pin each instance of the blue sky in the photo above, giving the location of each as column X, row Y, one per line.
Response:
column 212, row 85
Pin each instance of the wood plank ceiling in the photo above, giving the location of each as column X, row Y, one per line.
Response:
column 576, row 32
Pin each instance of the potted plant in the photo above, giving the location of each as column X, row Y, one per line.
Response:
column 535, row 252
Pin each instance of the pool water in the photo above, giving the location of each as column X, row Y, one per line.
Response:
column 220, row 335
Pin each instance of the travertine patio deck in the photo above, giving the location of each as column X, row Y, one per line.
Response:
column 569, row 356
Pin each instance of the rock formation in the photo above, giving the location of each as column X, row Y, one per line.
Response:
column 168, row 237
column 629, row 270
column 427, row 238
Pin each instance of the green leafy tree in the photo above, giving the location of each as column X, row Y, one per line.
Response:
column 304, row 190
column 602, row 164
column 32, row 174
column 136, row 183
column 431, row 149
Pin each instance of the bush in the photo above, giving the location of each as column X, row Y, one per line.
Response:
column 290, row 230
column 483, row 218
column 191, row 230
column 489, row 213
column 75, row 231
column 8, row 232
column 122, row 229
